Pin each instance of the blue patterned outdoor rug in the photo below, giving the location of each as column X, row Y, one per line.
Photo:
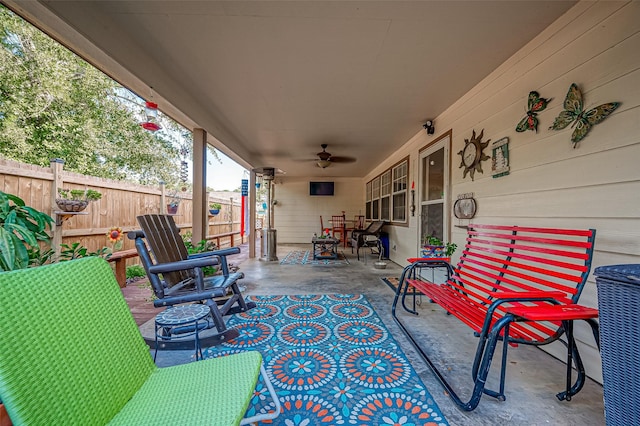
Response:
column 332, row 362
column 300, row 257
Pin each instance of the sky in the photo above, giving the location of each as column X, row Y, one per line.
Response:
column 225, row 176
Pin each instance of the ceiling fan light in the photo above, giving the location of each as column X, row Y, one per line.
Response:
column 323, row 164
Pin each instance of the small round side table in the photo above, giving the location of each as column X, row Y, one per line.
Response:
column 180, row 316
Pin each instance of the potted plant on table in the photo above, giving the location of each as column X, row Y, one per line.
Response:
column 434, row 247
column 214, row 208
column 76, row 200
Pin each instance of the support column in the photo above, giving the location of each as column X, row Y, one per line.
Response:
column 251, row 226
column 199, row 216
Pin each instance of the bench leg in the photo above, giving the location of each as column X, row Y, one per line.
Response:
column 484, row 364
column 574, row 355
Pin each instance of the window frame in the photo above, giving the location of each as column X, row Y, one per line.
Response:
column 374, row 202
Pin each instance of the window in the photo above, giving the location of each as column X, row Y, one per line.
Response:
column 367, row 207
column 375, row 199
column 400, row 178
column 386, row 194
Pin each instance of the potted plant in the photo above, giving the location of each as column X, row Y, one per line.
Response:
column 434, row 247
column 174, row 202
column 76, row 200
column 214, row 208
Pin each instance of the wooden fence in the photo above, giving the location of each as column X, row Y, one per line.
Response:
column 121, row 202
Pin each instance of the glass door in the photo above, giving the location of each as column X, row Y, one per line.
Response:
column 433, row 192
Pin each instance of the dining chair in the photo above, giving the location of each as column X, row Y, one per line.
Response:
column 338, row 226
column 358, row 222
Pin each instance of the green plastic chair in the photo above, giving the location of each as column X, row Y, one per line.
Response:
column 71, row 354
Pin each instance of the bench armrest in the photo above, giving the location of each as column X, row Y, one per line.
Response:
column 429, row 259
column 528, row 294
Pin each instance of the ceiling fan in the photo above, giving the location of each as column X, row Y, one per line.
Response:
column 325, row 158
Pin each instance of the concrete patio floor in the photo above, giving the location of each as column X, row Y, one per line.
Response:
column 533, row 376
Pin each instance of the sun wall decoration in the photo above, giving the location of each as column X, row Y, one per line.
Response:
column 535, row 104
column 472, row 155
column 582, row 120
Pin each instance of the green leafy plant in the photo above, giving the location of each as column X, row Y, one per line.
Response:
column 22, row 228
column 201, row 247
column 79, row 194
column 76, row 251
column 215, row 206
column 449, row 248
column 135, row 271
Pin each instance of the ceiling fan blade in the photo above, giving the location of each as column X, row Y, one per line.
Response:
column 337, row 159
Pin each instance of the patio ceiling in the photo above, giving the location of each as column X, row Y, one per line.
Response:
column 271, row 81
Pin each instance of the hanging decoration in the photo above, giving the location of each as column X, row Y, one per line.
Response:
column 500, row 157
column 244, row 215
column 413, row 199
column 472, row 155
column 151, row 113
column 184, row 165
column 535, row 104
column 465, row 206
column 582, row 120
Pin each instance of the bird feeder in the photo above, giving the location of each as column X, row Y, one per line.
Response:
column 151, row 111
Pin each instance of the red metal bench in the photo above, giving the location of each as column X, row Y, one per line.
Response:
column 513, row 283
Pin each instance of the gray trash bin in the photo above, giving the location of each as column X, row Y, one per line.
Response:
column 619, row 306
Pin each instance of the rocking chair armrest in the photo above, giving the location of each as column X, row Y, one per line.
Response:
column 221, row 252
column 181, row 265
column 186, row 298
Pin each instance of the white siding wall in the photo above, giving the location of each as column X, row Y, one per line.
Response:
column 297, row 214
column 597, row 46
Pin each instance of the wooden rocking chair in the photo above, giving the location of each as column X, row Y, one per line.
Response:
column 177, row 277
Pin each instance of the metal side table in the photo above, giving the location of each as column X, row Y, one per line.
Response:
column 179, row 322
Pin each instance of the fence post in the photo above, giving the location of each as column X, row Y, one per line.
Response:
column 163, row 198
column 57, row 166
column 231, row 216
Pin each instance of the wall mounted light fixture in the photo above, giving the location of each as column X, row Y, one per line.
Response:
column 429, row 127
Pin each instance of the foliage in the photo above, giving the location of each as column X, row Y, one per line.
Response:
column 55, row 105
column 135, row 271
column 215, row 206
column 449, row 248
column 203, row 246
column 79, row 194
column 76, row 251
column 22, row 228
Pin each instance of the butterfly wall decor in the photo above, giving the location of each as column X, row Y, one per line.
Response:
column 581, row 119
column 535, row 104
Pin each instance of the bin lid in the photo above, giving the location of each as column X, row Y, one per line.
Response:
column 623, row 273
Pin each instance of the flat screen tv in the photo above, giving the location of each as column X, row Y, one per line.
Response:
column 320, row 188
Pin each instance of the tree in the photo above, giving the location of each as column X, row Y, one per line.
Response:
column 55, row 105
